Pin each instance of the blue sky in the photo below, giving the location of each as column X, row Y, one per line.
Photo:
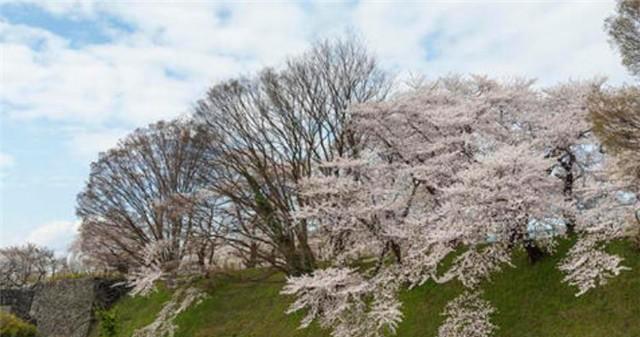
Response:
column 77, row 75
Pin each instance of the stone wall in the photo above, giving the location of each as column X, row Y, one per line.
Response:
column 63, row 308
column 17, row 302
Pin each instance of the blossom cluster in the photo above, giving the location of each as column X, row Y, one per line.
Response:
column 459, row 164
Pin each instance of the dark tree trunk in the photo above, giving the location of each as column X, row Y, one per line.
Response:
column 395, row 248
column 252, row 260
column 299, row 263
column 636, row 237
column 567, row 165
column 534, row 252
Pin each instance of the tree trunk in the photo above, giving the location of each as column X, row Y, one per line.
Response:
column 636, row 237
column 306, row 253
column 534, row 252
column 299, row 260
column 252, row 260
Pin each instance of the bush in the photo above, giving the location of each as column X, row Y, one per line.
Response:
column 12, row 326
column 107, row 323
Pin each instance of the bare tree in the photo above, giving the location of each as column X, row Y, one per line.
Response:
column 615, row 115
column 59, row 266
column 22, row 266
column 142, row 192
column 268, row 133
column 624, row 29
column 615, row 112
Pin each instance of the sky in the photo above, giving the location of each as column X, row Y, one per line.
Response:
column 78, row 75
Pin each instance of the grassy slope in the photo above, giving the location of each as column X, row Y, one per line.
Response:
column 243, row 309
column 135, row 312
column 531, row 302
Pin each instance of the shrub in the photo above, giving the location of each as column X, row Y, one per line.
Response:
column 107, row 323
column 12, row 326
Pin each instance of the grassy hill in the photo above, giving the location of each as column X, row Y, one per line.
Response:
column 531, row 301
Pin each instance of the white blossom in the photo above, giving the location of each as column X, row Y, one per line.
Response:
column 339, row 298
column 143, row 279
column 467, row 316
column 163, row 325
column 456, row 165
column 587, row 265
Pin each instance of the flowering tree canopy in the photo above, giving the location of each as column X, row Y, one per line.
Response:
column 472, row 164
column 26, row 265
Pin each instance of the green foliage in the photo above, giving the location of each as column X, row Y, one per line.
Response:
column 615, row 116
column 239, row 307
column 134, row 313
column 624, row 30
column 108, row 326
column 531, row 301
column 12, row 326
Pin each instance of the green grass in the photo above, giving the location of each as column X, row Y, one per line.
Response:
column 12, row 326
column 243, row 308
column 134, row 312
column 531, row 301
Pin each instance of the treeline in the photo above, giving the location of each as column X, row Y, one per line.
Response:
column 224, row 181
column 325, row 170
column 29, row 264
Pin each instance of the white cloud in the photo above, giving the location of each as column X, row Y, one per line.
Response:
column 99, row 84
column 56, row 235
column 545, row 40
column 86, row 144
column 156, row 72
column 178, row 49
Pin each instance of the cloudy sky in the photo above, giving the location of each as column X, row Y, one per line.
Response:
column 77, row 75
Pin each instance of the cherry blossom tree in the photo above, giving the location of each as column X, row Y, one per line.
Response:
column 467, row 316
column 458, row 164
column 26, row 265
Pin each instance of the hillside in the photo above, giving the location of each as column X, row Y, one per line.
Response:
column 531, row 302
